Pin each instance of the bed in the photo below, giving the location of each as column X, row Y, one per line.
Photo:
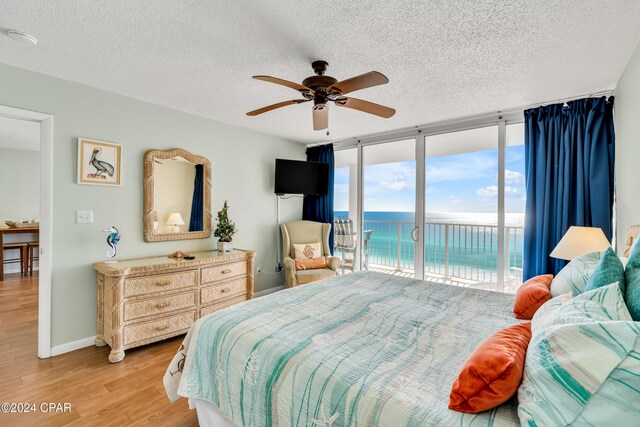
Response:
column 362, row 349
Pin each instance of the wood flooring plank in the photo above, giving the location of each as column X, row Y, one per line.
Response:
column 100, row 393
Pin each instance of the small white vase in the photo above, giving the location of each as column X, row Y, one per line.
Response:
column 225, row 246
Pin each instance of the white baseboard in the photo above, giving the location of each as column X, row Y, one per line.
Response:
column 73, row 345
column 267, row 291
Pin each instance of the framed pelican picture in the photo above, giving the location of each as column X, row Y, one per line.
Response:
column 99, row 162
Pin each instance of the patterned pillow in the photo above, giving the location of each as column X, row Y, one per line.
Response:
column 608, row 270
column 548, row 308
column 307, row 250
column 632, row 279
column 583, row 366
column 573, row 277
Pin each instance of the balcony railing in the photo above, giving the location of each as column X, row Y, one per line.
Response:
column 452, row 251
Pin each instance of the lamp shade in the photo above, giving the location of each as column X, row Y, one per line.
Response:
column 175, row 219
column 579, row 241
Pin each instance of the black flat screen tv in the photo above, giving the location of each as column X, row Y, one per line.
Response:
column 298, row 177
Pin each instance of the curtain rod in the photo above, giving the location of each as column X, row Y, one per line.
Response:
column 464, row 119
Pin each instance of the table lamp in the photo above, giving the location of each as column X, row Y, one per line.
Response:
column 579, row 241
column 175, row 220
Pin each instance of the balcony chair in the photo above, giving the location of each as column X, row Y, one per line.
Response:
column 346, row 241
column 299, row 232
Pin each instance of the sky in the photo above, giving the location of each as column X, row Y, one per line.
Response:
column 457, row 183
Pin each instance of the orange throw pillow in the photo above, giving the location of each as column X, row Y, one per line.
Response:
column 531, row 295
column 308, row 264
column 493, row 372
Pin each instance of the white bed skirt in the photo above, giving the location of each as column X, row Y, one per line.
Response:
column 209, row 415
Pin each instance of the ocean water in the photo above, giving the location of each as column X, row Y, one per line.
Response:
column 457, row 244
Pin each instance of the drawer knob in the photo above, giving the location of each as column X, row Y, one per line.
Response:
column 224, row 290
column 163, row 304
column 162, row 328
column 163, row 283
column 226, row 271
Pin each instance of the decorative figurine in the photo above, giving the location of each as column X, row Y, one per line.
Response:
column 112, row 240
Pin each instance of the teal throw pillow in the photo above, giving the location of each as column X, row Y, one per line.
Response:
column 632, row 281
column 608, row 270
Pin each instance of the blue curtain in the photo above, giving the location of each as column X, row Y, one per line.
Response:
column 197, row 210
column 569, row 169
column 320, row 208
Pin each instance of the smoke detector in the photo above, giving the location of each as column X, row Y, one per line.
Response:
column 23, row 38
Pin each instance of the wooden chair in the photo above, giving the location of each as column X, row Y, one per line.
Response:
column 22, row 247
column 346, row 241
column 31, row 257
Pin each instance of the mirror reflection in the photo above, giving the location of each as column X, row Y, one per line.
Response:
column 178, row 196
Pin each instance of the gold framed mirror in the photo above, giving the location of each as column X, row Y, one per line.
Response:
column 177, row 196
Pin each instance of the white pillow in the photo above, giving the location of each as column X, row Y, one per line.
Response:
column 574, row 276
column 307, row 250
column 582, row 367
column 547, row 309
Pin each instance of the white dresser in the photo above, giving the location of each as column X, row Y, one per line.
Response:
column 144, row 300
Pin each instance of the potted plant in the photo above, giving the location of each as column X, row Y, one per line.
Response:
column 224, row 230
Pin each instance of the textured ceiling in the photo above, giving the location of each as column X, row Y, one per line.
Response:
column 19, row 134
column 445, row 59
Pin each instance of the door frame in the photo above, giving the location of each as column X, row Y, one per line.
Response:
column 46, row 220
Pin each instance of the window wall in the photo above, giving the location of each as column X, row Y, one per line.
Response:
column 455, row 216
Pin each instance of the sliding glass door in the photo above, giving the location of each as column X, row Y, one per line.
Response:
column 461, row 200
column 388, row 207
column 454, row 216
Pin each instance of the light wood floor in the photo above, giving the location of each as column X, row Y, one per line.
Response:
column 100, row 393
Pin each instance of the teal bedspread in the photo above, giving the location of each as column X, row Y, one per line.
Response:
column 363, row 349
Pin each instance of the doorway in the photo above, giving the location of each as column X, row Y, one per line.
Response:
column 26, row 172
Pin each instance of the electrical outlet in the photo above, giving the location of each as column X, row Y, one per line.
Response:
column 84, row 217
column 259, row 269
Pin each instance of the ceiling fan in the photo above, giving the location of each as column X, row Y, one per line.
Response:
column 321, row 89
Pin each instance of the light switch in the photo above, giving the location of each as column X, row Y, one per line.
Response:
column 84, row 217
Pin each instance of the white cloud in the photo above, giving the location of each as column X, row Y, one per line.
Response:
column 513, row 177
column 488, row 191
column 398, row 183
column 455, row 199
column 492, row 191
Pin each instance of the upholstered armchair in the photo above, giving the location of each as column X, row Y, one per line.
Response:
column 301, row 232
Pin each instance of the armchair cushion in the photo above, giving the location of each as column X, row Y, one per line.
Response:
column 307, row 276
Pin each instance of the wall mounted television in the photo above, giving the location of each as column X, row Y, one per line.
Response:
column 299, row 177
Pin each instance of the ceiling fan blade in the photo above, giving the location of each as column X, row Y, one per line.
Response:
column 274, row 106
column 363, row 81
column 365, row 106
column 287, row 83
column 320, row 118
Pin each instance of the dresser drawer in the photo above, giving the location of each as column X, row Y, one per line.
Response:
column 215, row 307
column 223, row 291
column 157, row 328
column 150, row 307
column 159, row 283
column 224, row 271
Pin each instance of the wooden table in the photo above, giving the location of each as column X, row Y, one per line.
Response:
column 7, row 230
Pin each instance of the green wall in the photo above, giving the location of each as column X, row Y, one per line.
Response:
column 19, row 184
column 627, row 122
column 242, row 172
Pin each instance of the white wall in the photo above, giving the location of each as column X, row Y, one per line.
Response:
column 242, row 163
column 19, row 194
column 627, row 123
